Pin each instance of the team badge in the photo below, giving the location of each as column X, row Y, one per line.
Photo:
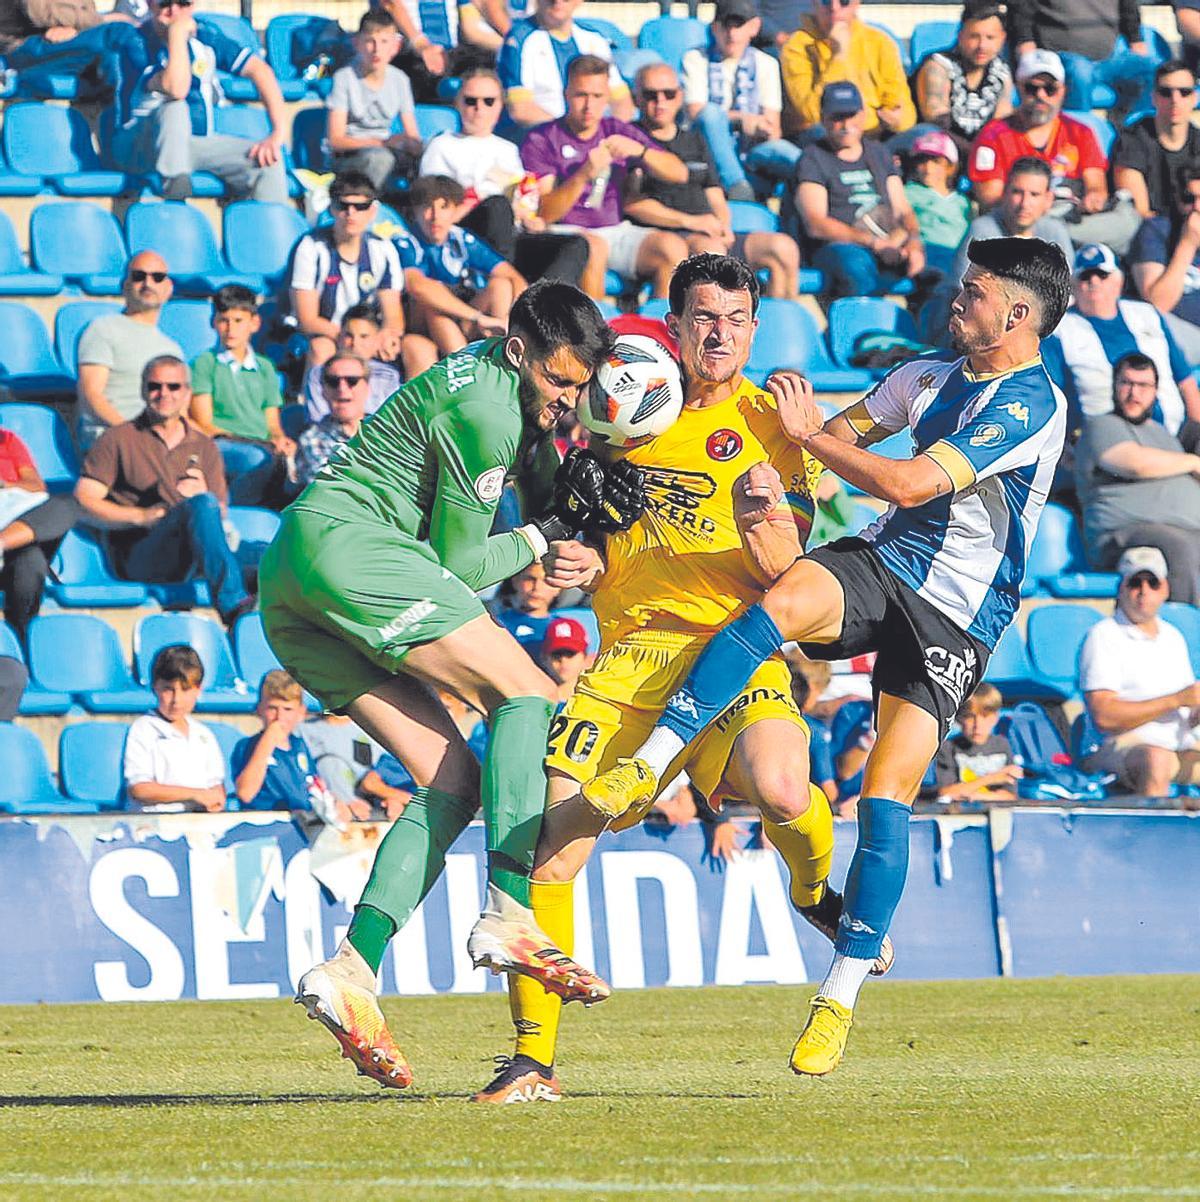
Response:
column 490, row 484
column 723, row 445
column 988, row 435
column 366, row 281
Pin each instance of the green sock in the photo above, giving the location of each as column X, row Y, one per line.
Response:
column 514, row 791
column 410, row 858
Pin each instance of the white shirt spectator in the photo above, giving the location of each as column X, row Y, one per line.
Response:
column 1121, row 658
column 766, row 75
column 488, row 165
column 533, row 64
column 156, row 752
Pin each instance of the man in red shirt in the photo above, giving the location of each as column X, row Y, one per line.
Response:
column 1039, row 129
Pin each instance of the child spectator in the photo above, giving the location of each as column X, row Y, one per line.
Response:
column 565, row 654
column 977, row 764
column 361, row 335
column 274, row 769
column 478, row 286
column 345, row 381
column 172, row 761
column 366, row 98
column 527, row 599
column 943, row 213
column 235, row 393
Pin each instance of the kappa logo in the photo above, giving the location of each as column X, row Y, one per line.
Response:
column 1018, row 412
column 406, row 618
column 682, row 703
column 954, row 672
column 856, row 925
column 988, row 435
column 723, row 445
column 925, row 381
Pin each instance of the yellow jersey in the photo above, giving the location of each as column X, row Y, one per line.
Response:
column 682, row 566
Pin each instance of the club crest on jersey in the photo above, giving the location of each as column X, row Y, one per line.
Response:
column 1018, row 412
column 723, row 445
column 988, row 435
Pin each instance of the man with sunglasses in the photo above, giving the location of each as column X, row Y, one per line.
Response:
column 166, row 109
column 1150, row 155
column 1137, row 681
column 114, row 348
column 156, row 486
column 1039, row 129
column 345, row 383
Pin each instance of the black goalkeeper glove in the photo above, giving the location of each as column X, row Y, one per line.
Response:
column 623, row 498
column 577, row 496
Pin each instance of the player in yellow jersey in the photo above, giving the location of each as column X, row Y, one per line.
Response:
column 700, row 555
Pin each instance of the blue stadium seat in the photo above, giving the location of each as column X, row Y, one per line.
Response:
column 254, row 655
column 259, row 236
column 1187, row 618
column 49, row 441
column 294, row 419
column 35, row 700
column 253, row 524
column 1054, row 634
column 26, row 786
column 812, row 281
column 189, row 322
column 630, row 62
column 673, row 37
column 228, row 737
column 28, row 365
column 308, row 135
column 80, row 654
column 788, row 337
column 1011, row 671
column 14, row 184
column 1100, row 126
column 434, row 119
column 1057, row 564
column 16, row 279
column 617, row 38
column 69, row 323
column 749, row 218
column 223, row 689
column 929, row 37
column 56, row 144
column 242, row 121
column 91, row 762
column 81, row 242
column 852, row 316
column 278, row 39
column 236, row 87
column 183, row 236
column 83, row 579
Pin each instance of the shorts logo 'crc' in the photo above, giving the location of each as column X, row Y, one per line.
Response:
column 723, row 445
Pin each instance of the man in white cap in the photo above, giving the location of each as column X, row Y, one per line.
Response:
column 1039, row 129
column 1101, row 327
column 1137, row 485
column 1137, row 680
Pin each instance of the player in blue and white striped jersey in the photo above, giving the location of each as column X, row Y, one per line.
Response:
column 930, row 587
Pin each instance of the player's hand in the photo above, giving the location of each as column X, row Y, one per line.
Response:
column 571, row 564
column 756, row 493
column 599, row 161
column 578, row 488
column 622, row 500
column 724, row 849
column 799, row 415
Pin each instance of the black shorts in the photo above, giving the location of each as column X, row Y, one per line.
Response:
column 920, row 654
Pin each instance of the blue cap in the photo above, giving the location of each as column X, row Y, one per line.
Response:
column 1095, row 256
column 841, row 99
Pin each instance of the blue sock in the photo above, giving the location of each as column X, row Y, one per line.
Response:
column 721, row 672
column 876, row 878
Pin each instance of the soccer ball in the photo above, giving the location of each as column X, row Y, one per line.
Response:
column 636, row 395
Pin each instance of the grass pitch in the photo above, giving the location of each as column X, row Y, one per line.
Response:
column 992, row 1090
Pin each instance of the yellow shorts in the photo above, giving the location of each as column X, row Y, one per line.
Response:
column 620, row 697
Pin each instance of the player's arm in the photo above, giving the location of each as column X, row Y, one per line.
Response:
column 764, row 517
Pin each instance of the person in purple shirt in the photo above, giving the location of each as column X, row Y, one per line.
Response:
column 581, row 161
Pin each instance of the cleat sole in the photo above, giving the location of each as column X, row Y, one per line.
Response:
column 397, row 1077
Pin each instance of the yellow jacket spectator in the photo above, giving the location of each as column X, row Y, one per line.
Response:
column 833, row 44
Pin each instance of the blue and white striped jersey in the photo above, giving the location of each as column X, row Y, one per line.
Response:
column 998, row 438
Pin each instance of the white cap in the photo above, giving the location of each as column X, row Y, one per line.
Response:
column 1040, row 62
column 1142, row 559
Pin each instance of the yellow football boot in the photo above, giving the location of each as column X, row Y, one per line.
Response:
column 822, row 1043
column 631, row 783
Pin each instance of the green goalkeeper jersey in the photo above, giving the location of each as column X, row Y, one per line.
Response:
column 433, row 461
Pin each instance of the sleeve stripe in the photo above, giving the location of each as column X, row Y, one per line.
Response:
column 954, row 463
column 860, row 419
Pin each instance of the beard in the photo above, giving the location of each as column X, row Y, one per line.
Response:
column 1141, row 418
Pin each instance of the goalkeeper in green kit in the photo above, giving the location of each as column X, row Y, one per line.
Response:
column 368, row 597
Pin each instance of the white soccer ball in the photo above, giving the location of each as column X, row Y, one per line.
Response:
column 636, row 395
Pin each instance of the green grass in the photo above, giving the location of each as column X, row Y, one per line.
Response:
column 990, row 1090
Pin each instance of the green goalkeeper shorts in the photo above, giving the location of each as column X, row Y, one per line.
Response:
column 344, row 602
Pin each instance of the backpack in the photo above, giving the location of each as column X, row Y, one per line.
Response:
column 1039, row 747
column 319, row 48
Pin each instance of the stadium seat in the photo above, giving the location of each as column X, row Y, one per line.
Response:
column 189, row 322
column 1100, row 126
column 16, row 279
column 1054, row 634
column 254, row 655
column 617, row 38
column 236, row 87
column 258, row 237
column 928, row 37
column 35, row 700
column 900, row 46
column 81, row 242
column 308, row 134
column 1057, row 564
column 56, row 144
column 82, row 579
column 183, row 236
column 223, row 689
column 278, row 39
column 49, row 441
column 788, row 337
column 28, row 365
column 1187, row 618
column 630, row 62
column 228, row 737
column 12, row 183
column 1011, row 671
column 434, row 119
column 242, row 121
column 294, row 419
column 26, row 786
column 256, row 528
column 812, row 281
column 69, row 323
column 749, row 218
column 81, row 655
column 673, row 37
column 91, row 762
column 852, row 316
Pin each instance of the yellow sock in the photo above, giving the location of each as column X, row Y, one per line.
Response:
column 535, row 1012
column 806, row 845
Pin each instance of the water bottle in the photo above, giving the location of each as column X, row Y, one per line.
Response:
column 599, row 188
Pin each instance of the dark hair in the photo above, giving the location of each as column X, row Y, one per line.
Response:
column 1028, row 165
column 587, row 64
column 1136, row 361
column 178, row 663
column 551, row 314
column 377, row 18
column 980, row 12
column 235, row 296
column 429, row 188
column 352, row 183
column 366, row 310
column 480, row 73
column 1170, row 67
column 723, row 270
column 1037, row 268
